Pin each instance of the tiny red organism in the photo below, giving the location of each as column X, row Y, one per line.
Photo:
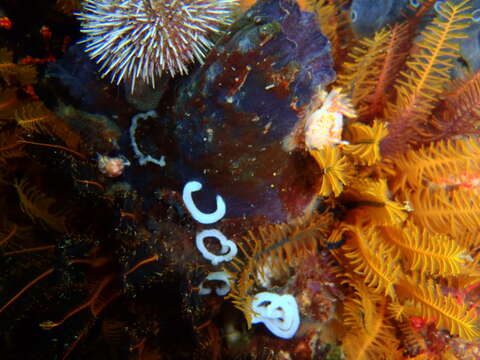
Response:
column 5, row 23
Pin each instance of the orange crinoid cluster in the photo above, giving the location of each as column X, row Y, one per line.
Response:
column 401, row 203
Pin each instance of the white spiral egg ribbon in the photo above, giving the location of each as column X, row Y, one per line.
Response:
column 221, row 276
column 228, row 248
column 279, row 313
column 201, row 217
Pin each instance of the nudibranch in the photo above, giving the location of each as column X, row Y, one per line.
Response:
column 227, row 124
column 324, row 126
column 112, row 166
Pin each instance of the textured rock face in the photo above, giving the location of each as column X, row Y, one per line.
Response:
column 230, row 119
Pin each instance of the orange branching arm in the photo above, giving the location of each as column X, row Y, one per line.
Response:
column 394, row 56
column 54, row 146
column 26, row 287
column 459, row 112
column 334, row 20
column 446, row 212
column 141, row 263
column 430, row 303
column 47, row 325
column 360, row 72
column 26, row 74
column 33, row 249
column 12, row 233
column 428, row 71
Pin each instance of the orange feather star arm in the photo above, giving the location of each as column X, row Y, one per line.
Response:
column 435, row 254
column 459, row 111
column 446, row 212
column 393, row 59
column 373, row 203
column 364, row 142
column 428, row 71
column 431, row 303
column 359, row 74
column 368, row 257
column 375, row 340
column 444, row 163
column 267, row 253
column 35, row 117
column 9, row 71
column 334, row 20
column 337, row 171
column 38, row 206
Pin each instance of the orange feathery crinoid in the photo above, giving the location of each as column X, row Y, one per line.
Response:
column 370, row 333
column 334, row 20
column 407, row 206
column 38, row 206
column 446, row 211
column 364, row 142
column 365, row 62
column 373, row 202
column 458, row 113
column 9, row 71
column 427, row 74
column 337, row 171
column 268, row 253
column 430, row 302
column 367, row 256
column 440, row 164
column 428, row 253
column 391, row 60
column 35, row 117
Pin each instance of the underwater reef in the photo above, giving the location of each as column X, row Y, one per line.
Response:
column 271, row 179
